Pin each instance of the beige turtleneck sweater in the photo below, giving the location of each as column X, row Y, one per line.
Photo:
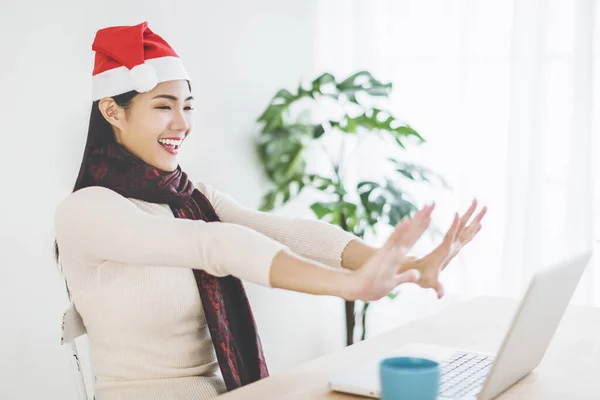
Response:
column 128, row 265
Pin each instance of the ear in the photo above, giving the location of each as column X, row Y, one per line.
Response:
column 112, row 112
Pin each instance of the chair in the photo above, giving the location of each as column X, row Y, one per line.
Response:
column 72, row 328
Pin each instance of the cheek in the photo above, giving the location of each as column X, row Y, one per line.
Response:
column 151, row 125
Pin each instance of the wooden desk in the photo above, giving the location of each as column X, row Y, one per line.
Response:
column 570, row 370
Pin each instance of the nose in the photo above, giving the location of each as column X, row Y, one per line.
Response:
column 179, row 123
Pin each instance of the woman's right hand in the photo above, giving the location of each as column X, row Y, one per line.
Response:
column 379, row 275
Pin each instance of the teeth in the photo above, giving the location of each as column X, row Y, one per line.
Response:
column 170, row 142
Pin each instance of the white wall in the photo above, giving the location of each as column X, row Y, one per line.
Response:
column 238, row 54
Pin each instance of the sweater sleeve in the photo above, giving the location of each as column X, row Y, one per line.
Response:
column 99, row 224
column 313, row 239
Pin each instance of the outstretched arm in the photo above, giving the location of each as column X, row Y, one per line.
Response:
column 313, row 239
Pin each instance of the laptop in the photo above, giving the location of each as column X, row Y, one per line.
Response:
column 470, row 375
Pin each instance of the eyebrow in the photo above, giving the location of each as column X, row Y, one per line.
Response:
column 169, row 97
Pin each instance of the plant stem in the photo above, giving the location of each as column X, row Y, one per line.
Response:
column 350, row 322
column 364, row 321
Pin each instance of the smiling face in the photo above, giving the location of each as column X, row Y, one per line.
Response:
column 156, row 123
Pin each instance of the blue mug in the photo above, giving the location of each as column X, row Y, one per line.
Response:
column 409, row 378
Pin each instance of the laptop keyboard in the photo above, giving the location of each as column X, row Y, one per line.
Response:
column 463, row 374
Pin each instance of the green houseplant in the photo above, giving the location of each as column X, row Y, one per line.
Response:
column 285, row 139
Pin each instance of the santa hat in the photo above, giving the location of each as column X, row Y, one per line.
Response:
column 132, row 58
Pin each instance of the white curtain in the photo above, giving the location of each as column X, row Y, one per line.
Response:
column 506, row 97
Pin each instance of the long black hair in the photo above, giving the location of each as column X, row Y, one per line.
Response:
column 100, row 133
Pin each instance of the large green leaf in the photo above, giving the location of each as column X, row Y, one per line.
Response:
column 400, row 203
column 322, row 183
column 283, row 97
column 405, row 131
column 323, row 210
column 321, row 81
column 272, row 117
column 281, row 151
column 341, row 213
column 283, row 193
column 418, row 173
column 378, row 121
column 372, row 201
column 388, row 201
column 348, row 215
column 268, row 201
column 363, row 81
column 281, row 158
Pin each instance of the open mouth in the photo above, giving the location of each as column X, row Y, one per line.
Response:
column 170, row 145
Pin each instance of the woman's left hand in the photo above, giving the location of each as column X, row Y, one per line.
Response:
column 460, row 233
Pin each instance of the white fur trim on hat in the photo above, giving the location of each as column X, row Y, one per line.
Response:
column 142, row 78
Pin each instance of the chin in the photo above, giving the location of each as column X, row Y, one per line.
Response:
column 166, row 166
column 170, row 167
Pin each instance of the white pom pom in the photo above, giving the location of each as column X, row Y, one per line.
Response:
column 144, row 77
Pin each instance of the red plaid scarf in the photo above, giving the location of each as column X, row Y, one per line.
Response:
column 226, row 307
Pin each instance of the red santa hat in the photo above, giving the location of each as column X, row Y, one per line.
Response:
column 132, row 58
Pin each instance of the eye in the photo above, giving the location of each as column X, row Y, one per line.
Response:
column 163, row 107
column 189, row 108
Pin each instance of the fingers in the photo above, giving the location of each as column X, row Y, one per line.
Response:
column 410, row 276
column 474, row 227
column 469, row 233
column 419, row 224
column 467, row 216
column 454, row 230
column 480, row 216
column 391, row 258
column 402, row 239
column 409, row 230
column 466, row 233
column 439, row 290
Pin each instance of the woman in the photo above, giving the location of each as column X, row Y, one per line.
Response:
column 153, row 261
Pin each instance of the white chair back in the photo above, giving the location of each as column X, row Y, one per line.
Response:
column 72, row 328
